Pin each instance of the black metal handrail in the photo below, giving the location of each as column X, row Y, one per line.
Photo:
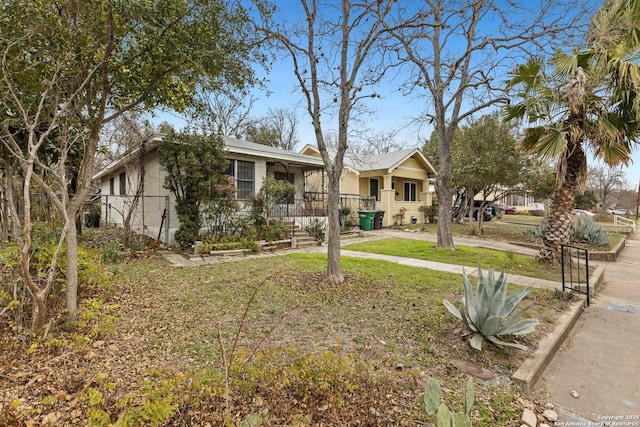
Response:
column 569, row 254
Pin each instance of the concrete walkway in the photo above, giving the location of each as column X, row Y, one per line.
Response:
column 601, row 359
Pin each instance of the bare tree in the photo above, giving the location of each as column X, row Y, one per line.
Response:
column 331, row 51
column 605, row 180
column 120, row 136
column 285, row 124
column 230, row 114
column 380, row 142
column 456, row 51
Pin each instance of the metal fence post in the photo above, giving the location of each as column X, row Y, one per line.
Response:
column 106, row 219
column 166, row 228
column 144, row 223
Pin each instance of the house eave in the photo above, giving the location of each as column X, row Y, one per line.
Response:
column 152, row 143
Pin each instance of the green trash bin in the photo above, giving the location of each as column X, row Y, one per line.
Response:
column 366, row 219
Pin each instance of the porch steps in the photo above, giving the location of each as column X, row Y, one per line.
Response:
column 303, row 239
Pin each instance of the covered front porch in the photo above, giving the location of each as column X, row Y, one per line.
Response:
column 398, row 195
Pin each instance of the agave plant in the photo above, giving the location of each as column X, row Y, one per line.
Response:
column 587, row 231
column 490, row 313
column 538, row 232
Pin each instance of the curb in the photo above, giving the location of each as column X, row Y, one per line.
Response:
column 609, row 256
column 533, row 367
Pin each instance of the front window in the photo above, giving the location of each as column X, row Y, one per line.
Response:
column 410, row 192
column 244, row 177
column 123, row 184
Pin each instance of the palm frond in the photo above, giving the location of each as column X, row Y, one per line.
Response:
column 527, row 74
column 547, row 141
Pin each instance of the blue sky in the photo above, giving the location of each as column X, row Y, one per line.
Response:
column 391, row 112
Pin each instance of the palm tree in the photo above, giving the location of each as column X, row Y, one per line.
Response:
column 589, row 99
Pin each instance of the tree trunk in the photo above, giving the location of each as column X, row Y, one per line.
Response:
column 559, row 213
column 334, row 271
column 71, row 293
column 444, row 193
column 10, row 199
column 73, row 207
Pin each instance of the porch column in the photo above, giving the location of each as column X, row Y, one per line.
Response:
column 387, row 202
column 425, row 195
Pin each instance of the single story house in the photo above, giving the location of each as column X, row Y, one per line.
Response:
column 154, row 214
column 398, row 181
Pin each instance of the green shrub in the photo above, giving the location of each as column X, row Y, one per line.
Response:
column 111, row 253
column 316, row 228
column 429, row 213
column 536, row 212
column 490, row 313
column 219, row 215
column 274, row 230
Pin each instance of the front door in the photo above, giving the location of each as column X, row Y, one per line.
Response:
column 373, row 188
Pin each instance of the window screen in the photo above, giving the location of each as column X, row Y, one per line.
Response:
column 245, row 179
column 123, row 184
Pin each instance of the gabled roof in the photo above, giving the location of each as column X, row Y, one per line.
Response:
column 392, row 160
column 231, row 145
column 385, row 161
column 237, row 146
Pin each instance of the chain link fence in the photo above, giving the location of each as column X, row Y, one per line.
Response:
column 141, row 218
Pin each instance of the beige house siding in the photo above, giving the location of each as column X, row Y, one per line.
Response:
column 391, row 194
column 150, row 208
column 392, row 171
column 349, row 182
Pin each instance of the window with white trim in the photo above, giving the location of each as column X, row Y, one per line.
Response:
column 410, row 192
column 244, row 174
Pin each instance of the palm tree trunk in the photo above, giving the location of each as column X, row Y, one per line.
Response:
column 559, row 214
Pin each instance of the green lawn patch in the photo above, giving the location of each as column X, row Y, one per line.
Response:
column 463, row 255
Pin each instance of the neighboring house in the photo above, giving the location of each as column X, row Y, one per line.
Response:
column 397, row 180
column 154, row 214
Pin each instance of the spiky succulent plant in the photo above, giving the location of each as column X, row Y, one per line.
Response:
column 489, row 313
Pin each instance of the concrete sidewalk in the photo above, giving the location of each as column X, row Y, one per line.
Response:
column 601, row 359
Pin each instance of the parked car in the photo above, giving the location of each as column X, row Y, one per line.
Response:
column 489, row 211
column 506, row 209
column 582, row 213
column 618, row 211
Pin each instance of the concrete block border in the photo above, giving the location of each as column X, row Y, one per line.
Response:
column 533, row 367
column 609, row 256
